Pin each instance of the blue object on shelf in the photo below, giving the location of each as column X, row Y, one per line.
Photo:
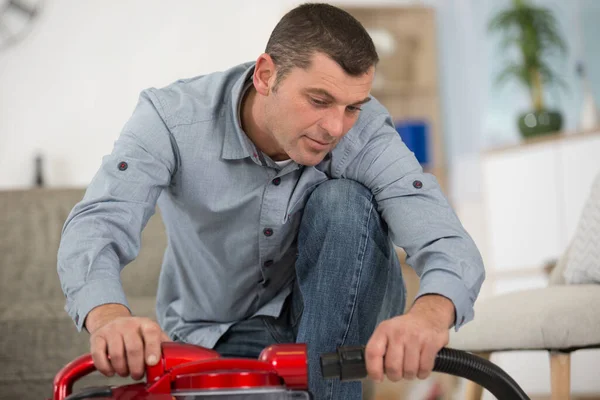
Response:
column 415, row 134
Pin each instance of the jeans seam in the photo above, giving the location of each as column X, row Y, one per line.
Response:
column 360, row 269
column 357, row 288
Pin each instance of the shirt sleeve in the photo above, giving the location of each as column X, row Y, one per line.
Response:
column 420, row 218
column 102, row 233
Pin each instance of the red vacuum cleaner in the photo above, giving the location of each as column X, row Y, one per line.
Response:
column 189, row 372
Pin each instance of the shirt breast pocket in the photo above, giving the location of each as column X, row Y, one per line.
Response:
column 307, row 183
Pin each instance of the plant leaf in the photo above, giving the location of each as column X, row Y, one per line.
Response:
column 535, row 32
column 549, row 77
column 517, row 71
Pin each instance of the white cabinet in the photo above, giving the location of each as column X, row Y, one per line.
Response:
column 521, row 204
column 533, row 196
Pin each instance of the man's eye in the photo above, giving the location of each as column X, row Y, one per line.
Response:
column 353, row 109
column 318, row 102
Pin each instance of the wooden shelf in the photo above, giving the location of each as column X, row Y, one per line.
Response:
column 406, row 77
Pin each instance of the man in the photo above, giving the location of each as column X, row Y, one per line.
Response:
column 283, row 187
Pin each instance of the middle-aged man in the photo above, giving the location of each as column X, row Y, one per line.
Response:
column 283, row 187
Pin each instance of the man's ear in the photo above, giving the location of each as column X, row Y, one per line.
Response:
column 264, row 74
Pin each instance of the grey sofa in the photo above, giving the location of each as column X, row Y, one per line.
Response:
column 37, row 337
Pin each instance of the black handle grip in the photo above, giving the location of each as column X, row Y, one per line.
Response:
column 348, row 364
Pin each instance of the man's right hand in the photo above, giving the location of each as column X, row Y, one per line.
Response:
column 122, row 343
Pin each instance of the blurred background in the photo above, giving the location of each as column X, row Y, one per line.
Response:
column 508, row 126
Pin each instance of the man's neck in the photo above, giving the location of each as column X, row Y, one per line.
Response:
column 251, row 115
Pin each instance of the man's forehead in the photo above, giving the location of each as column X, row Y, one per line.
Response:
column 360, row 97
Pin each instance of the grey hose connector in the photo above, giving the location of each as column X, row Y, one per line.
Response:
column 348, row 363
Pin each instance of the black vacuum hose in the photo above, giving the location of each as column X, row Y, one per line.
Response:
column 349, row 364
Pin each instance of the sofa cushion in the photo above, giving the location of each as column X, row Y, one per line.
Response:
column 582, row 263
column 39, row 338
column 31, row 234
column 554, row 317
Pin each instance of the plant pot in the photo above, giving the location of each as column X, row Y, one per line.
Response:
column 536, row 123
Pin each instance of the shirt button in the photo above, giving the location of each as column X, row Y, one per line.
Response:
column 276, row 181
column 268, row 231
column 268, row 263
column 418, row 184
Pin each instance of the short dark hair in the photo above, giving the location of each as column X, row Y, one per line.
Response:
column 317, row 27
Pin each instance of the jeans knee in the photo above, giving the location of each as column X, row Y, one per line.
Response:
column 348, row 211
column 338, row 197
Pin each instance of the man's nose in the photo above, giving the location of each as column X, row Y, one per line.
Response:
column 334, row 123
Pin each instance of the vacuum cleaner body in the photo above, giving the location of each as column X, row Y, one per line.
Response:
column 188, row 372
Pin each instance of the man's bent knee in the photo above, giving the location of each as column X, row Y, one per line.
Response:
column 336, row 195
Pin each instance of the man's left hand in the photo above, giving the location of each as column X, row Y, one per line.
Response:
column 405, row 347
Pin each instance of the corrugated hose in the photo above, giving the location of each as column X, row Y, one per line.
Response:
column 348, row 364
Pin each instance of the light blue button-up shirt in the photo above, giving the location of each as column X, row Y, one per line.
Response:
column 231, row 228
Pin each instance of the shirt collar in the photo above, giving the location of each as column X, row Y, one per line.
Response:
column 236, row 144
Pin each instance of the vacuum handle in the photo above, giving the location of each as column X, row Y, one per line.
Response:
column 76, row 369
column 172, row 354
column 347, row 364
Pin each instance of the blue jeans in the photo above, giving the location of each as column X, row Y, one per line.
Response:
column 348, row 279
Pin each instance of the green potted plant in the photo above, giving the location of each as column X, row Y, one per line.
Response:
column 534, row 32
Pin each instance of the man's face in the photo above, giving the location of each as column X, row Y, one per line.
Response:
column 311, row 110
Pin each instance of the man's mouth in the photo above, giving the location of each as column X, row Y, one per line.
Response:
column 320, row 142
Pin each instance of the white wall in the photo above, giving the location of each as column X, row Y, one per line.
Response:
column 68, row 89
